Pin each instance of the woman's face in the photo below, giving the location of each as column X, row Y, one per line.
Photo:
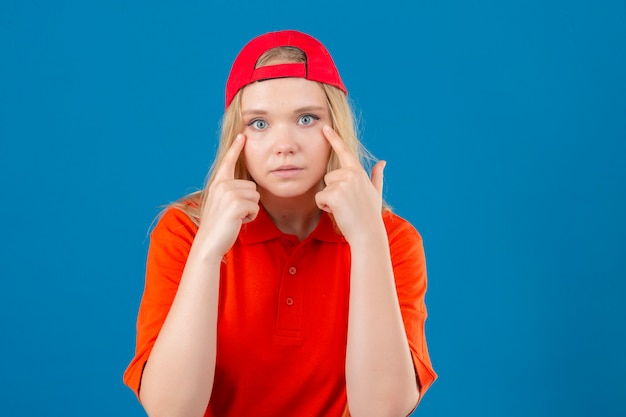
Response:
column 286, row 152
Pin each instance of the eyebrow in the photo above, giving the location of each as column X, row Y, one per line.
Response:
column 296, row 111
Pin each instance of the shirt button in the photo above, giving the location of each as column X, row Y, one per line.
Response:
column 289, row 301
column 292, row 270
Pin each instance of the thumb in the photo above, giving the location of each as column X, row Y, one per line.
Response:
column 377, row 176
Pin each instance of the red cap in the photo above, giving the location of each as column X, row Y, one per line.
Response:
column 319, row 65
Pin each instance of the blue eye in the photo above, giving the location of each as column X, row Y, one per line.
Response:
column 307, row 119
column 258, row 124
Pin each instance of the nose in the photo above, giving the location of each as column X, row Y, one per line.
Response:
column 284, row 140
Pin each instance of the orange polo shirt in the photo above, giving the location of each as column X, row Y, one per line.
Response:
column 282, row 314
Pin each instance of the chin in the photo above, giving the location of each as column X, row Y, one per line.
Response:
column 290, row 192
column 286, row 194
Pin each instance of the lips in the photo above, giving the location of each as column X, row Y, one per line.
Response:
column 286, row 171
column 286, row 168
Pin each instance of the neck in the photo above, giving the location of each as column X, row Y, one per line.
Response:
column 294, row 216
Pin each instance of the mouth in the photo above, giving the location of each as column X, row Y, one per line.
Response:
column 285, row 171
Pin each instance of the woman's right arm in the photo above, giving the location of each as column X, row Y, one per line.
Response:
column 178, row 377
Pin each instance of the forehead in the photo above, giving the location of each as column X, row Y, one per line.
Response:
column 282, row 94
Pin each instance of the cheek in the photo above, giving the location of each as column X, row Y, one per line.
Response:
column 319, row 158
column 255, row 145
column 317, row 144
column 249, row 157
column 324, row 150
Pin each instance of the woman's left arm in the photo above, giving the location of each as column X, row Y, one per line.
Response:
column 380, row 375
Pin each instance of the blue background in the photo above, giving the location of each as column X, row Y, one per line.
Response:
column 504, row 128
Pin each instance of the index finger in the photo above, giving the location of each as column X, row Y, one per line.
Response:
column 226, row 170
column 346, row 158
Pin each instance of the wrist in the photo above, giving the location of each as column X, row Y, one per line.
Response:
column 204, row 251
column 373, row 236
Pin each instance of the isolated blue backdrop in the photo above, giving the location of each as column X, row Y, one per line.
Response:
column 504, row 128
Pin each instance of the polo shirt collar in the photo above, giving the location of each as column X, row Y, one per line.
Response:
column 262, row 229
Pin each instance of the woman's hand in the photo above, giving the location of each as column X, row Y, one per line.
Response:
column 380, row 375
column 230, row 203
column 179, row 375
column 350, row 195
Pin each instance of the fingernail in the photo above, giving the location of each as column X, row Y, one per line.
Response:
column 327, row 129
column 239, row 138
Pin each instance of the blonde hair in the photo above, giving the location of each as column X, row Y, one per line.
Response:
column 342, row 118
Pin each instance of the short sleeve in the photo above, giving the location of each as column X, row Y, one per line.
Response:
column 170, row 242
column 409, row 267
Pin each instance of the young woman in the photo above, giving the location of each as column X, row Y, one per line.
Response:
column 285, row 287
